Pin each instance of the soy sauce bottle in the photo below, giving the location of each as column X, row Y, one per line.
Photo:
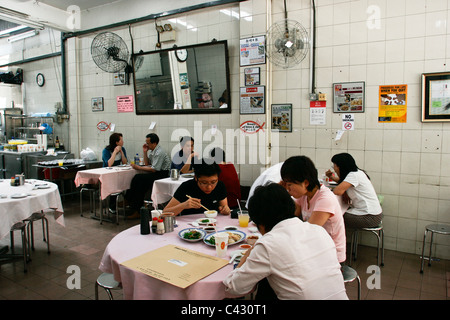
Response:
column 145, row 221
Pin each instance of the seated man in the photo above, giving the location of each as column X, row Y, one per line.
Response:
column 297, row 258
column 204, row 189
column 157, row 165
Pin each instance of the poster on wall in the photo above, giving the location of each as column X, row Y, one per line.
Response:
column 97, row 104
column 124, row 103
column 317, row 112
column 348, row 97
column 252, row 100
column 282, row 117
column 252, row 76
column 252, row 51
column 393, row 103
column 436, row 97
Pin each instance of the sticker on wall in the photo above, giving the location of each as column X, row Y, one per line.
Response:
column 102, row 126
column 348, row 122
column 251, row 127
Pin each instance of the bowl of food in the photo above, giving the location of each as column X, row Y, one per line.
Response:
column 211, row 213
column 252, row 239
column 209, row 229
column 192, row 234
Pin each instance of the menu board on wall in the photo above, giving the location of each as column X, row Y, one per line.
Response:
column 125, row 104
column 393, row 103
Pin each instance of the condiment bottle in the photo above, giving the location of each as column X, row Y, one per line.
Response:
column 13, row 181
column 154, row 224
column 145, row 221
column 160, row 226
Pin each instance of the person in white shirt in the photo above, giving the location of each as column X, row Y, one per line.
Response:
column 354, row 185
column 297, row 258
column 269, row 175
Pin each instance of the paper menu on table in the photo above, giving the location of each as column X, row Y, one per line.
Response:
column 176, row 265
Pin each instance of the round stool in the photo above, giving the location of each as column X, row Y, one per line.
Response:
column 433, row 228
column 107, row 282
column 350, row 275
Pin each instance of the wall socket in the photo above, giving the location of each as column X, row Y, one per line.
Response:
column 313, row 96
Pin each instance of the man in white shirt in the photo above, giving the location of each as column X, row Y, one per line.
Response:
column 297, row 258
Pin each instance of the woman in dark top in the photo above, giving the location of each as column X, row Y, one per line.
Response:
column 184, row 159
column 114, row 154
column 205, row 189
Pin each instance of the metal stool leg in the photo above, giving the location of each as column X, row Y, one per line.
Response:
column 423, row 251
column 431, row 245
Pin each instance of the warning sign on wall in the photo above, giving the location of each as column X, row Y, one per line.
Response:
column 348, row 121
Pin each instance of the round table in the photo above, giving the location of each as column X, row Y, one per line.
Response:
column 19, row 202
column 139, row 286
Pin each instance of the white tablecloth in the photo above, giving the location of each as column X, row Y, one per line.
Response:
column 163, row 189
column 114, row 179
column 13, row 210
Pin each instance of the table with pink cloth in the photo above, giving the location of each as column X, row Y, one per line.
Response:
column 112, row 179
column 18, row 203
column 139, row 286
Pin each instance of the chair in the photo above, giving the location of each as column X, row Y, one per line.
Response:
column 378, row 231
column 350, row 275
column 20, row 226
column 30, row 233
column 117, row 196
column 107, row 282
column 92, row 194
column 433, row 228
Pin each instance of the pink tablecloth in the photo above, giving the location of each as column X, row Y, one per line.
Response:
column 139, row 286
column 115, row 179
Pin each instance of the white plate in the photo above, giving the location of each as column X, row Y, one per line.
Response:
column 203, row 220
column 240, row 233
column 43, row 186
column 187, row 175
column 18, row 195
column 182, row 232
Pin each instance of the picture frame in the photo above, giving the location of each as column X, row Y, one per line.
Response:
column 436, row 97
column 252, row 76
column 281, row 117
column 97, row 104
column 349, row 97
column 252, row 51
column 252, row 100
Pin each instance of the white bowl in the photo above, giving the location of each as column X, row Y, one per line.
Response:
column 211, row 214
column 252, row 239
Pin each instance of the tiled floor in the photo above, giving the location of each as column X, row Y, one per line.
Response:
column 82, row 242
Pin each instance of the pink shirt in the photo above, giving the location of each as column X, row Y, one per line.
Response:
column 326, row 201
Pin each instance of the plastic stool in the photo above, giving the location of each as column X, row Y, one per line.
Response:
column 350, row 275
column 107, row 282
column 30, row 233
column 433, row 228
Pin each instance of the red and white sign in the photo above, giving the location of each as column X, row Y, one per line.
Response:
column 251, row 126
column 348, row 121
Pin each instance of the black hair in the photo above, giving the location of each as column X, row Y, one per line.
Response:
column 222, row 99
column 269, row 205
column 185, row 139
column 217, row 154
column 153, row 138
column 346, row 164
column 113, row 139
column 205, row 169
column 297, row 169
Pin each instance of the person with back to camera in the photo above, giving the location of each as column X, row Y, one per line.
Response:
column 365, row 209
column 184, row 159
column 205, row 189
column 114, row 154
column 316, row 203
column 298, row 259
column 228, row 176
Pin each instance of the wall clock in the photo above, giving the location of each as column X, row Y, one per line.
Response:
column 181, row 55
column 40, row 80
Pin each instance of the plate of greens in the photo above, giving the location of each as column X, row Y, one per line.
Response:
column 192, row 234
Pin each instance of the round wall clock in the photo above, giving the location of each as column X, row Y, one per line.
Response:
column 40, row 80
column 181, row 55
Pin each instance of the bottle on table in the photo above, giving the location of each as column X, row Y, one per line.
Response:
column 57, row 143
column 154, row 224
column 145, row 221
column 160, row 226
column 136, row 159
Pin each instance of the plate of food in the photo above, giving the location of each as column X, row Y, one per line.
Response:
column 192, row 234
column 206, row 220
column 234, row 237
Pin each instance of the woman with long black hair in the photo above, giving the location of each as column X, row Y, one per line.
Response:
column 365, row 209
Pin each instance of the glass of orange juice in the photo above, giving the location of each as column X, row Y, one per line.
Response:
column 243, row 219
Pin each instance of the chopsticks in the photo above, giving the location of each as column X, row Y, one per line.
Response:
column 200, row 204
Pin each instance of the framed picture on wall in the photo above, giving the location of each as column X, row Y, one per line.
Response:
column 436, row 97
column 282, row 117
column 252, row 76
column 97, row 104
column 252, row 100
column 252, row 51
column 348, row 97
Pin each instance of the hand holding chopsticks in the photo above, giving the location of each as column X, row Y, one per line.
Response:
column 200, row 203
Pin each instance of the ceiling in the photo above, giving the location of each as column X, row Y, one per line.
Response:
column 82, row 4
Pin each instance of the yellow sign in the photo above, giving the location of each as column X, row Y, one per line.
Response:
column 393, row 103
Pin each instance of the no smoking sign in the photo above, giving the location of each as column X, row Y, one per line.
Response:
column 348, row 122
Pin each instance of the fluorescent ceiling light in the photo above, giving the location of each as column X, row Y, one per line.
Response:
column 23, row 36
column 20, row 21
column 12, row 30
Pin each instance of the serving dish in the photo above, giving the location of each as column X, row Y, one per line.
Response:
column 184, row 234
column 210, row 241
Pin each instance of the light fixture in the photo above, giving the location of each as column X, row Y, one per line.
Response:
column 23, row 36
column 12, row 30
column 18, row 18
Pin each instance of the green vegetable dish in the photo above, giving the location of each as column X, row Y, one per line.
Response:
column 211, row 240
column 192, row 235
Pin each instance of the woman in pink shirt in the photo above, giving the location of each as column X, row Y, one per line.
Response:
column 316, row 203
